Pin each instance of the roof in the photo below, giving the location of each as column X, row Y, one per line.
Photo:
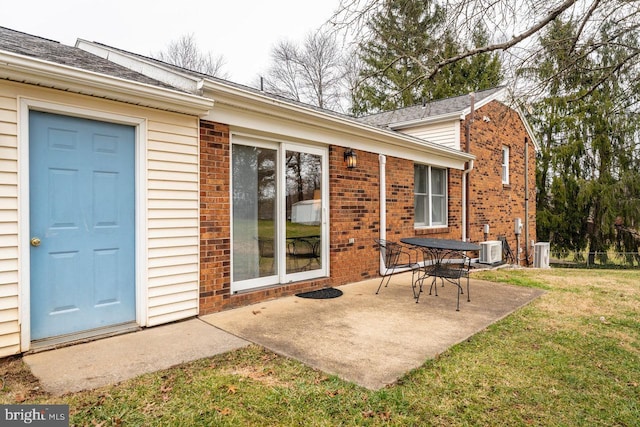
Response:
column 33, row 60
column 52, row 51
column 443, row 107
column 246, row 98
column 196, row 75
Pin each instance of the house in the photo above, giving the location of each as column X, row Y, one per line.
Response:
column 500, row 183
column 239, row 195
column 99, row 220
column 433, row 184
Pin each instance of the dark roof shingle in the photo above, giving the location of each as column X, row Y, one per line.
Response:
column 52, row 51
column 431, row 109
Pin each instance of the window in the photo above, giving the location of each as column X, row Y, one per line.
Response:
column 278, row 199
column 505, row 165
column 430, row 196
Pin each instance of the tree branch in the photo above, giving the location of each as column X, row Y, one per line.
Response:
column 554, row 13
column 588, row 15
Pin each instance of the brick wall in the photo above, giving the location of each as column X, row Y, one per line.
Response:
column 354, row 214
column 355, row 206
column 491, row 202
column 215, row 221
column 215, row 229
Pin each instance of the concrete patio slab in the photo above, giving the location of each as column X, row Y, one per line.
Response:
column 370, row 339
column 114, row 359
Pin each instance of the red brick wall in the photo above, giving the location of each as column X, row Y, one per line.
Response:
column 491, row 202
column 355, row 206
column 215, row 229
column 355, row 212
column 215, row 221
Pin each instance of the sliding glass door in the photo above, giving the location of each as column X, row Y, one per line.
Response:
column 278, row 213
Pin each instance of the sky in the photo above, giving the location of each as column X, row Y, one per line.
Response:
column 243, row 31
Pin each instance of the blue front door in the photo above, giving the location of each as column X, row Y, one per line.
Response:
column 82, row 198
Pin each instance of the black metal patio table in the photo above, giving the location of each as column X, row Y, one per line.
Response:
column 445, row 259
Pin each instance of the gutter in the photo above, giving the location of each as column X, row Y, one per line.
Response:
column 526, row 200
column 37, row 72
column 465, row 201
column 253, row 101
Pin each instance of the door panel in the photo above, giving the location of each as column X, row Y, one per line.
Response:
column 82, row 198
column 278, row 220
column 303, row 211
column 255, row 255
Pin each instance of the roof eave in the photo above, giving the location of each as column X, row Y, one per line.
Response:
column 250, row 100
column 499, row 95
column 236, row 97
column 154, row 69
column 529, row 130
column 24, row 69
column 456, row 115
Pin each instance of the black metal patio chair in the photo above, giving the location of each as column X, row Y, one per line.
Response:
column 449, row 265
column 396, row 256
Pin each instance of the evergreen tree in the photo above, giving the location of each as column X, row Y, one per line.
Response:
column 588, row 175
column 408, row 36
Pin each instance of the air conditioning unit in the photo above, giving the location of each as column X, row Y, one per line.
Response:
column 541, row 255
column 491, row 252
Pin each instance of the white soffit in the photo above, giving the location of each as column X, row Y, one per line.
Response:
column 248, row 110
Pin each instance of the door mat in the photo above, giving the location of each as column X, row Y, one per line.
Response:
column 324, row 293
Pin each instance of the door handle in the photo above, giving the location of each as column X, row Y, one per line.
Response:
column 35, row 241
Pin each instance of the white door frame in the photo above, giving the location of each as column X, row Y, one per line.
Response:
column 24, row 233
column 281, row 145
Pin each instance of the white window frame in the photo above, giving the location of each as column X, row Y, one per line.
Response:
column 429, row 194
column 505, row 165
column 281, row 278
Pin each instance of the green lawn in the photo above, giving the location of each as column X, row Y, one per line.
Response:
column 571, row 358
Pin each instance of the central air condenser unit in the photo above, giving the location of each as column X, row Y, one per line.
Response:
column 541, row 255
column 491, row 252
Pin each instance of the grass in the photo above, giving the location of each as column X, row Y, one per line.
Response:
column 266, row 229
column 570, row 358
column 610, row 259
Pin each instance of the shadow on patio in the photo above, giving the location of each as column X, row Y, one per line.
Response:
column 371, row 339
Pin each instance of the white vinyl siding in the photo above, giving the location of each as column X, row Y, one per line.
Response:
column 446, row 134
column 171, row 277
column 173, row 233
column 9, row 320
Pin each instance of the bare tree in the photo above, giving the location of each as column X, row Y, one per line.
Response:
column 313, row 73
column 516, row 26
column 284, row 77
column 185, row 53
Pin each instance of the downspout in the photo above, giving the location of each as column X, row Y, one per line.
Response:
column 466, row 223
column 382, row 159
column 526, row 200
column 465, row 200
